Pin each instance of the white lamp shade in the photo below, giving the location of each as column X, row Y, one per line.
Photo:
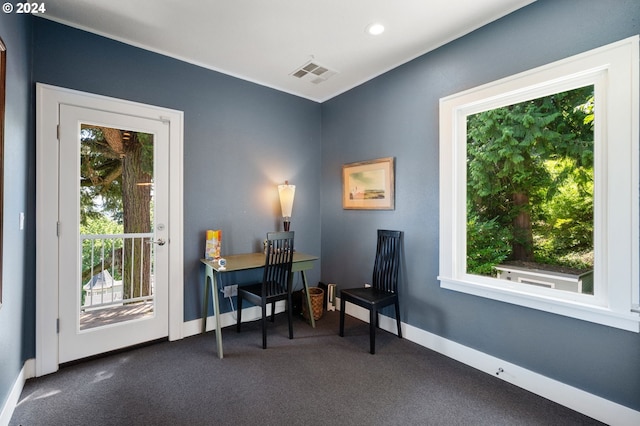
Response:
column 287, row 193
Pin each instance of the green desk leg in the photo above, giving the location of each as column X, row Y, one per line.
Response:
column 306, row 291
column 212, row 283
column 216, row 306
column 205, row 304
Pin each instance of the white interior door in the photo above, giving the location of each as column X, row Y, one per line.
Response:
column 113, row 231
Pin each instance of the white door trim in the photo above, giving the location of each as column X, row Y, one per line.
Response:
column 48, row 99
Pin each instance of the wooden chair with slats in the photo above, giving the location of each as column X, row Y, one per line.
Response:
column 276, row 282
column 384, row 286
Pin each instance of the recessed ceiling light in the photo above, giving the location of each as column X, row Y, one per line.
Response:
column 375, row 28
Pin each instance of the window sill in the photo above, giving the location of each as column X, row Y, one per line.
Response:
column 628, row 321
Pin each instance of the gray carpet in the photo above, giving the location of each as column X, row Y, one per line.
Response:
column 317, row 378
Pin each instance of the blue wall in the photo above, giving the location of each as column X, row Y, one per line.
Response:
column 397, row 115
column 240, row 141
column 17, row 314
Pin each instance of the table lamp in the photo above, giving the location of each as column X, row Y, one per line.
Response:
column 287, row 193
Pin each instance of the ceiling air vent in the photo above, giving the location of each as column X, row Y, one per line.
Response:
column 313, row 72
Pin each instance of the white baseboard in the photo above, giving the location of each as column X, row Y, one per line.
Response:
column 253, row 313
column 27, row 372
column 576, row 399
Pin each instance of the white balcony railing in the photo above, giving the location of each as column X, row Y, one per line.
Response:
column 104, row 269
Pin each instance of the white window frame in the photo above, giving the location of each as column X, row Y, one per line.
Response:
column 613, row 70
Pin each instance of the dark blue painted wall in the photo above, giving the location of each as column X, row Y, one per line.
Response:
column 17, row 314
column 240, row 141
column 397, row 115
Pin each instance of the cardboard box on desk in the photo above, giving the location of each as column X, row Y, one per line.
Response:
column 213, row 244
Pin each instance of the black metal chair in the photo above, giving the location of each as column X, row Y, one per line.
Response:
column 276, row 282
column 384, row 287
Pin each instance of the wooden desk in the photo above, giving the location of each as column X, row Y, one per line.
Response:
column 243, row 262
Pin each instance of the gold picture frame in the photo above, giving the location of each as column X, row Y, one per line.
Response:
column 369, row 185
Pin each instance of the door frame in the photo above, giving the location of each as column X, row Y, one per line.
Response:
column 48, row 99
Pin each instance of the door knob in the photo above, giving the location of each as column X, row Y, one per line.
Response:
column 159, row 242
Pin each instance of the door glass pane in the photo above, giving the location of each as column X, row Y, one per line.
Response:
column 116, row 217
column 530, row 192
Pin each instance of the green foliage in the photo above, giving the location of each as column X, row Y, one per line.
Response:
column 566, row 233
column 101, row 177
column 588, row 109
column 488, row 244
column 99, row 225
column 101, row 172
column 540, row 151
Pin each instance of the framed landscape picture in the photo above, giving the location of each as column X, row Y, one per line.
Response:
column 369, row 185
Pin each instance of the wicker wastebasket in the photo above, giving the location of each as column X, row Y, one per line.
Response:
column 317, row 303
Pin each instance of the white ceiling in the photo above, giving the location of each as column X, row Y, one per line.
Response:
column 265, row 41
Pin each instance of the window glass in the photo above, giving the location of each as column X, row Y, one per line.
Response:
column 530, row 191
